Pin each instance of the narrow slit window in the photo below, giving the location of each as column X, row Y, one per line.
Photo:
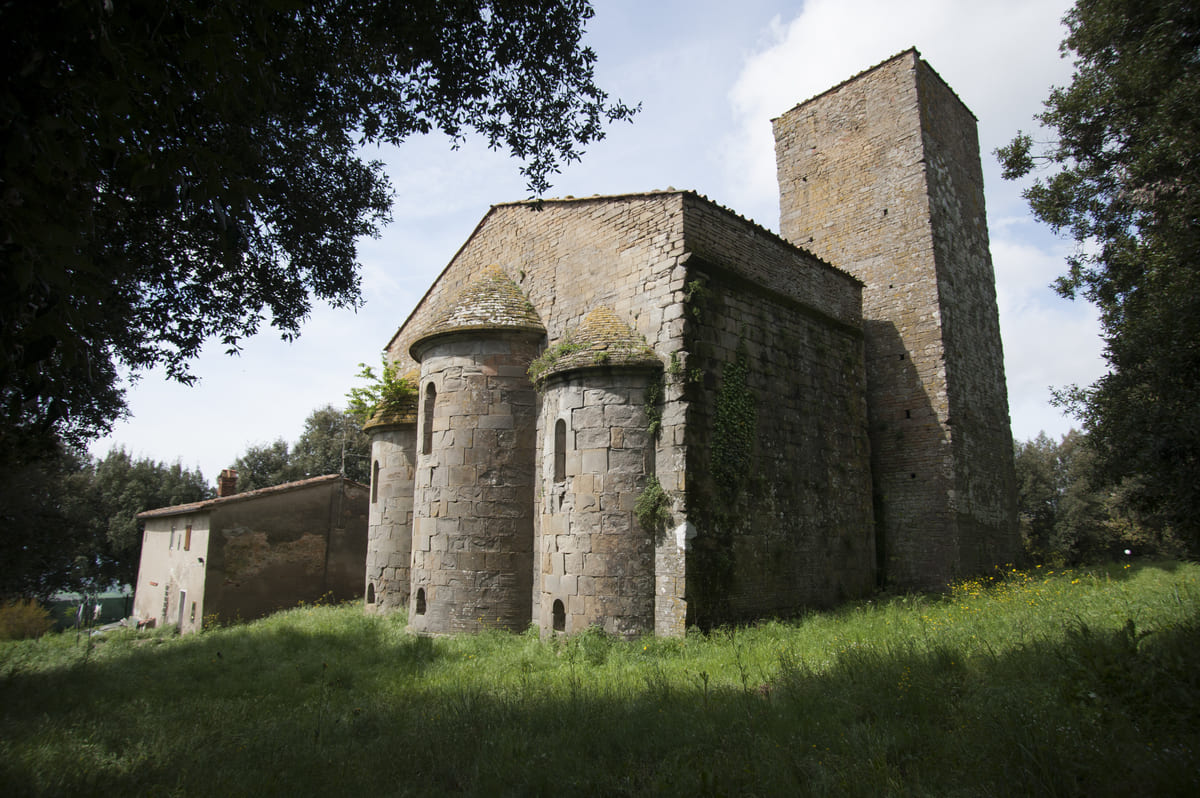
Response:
column 375, row 482
column 427, row 432
column 560, row 450
column 420, row 610
column 370, row 592
column 187, row 538
column 560, row 616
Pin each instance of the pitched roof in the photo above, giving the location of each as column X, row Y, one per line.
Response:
column 208, row 504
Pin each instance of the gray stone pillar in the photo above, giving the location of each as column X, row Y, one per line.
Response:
column 474, row 506
column 596, row 561
column 389, row 525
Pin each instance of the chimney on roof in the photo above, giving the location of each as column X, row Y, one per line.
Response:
column 227, row 482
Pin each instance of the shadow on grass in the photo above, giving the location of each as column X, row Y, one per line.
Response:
column 283, row 710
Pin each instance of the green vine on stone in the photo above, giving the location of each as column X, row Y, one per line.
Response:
column 695, row 296
column 734, row 426
column 653, row 398
column 653, row 507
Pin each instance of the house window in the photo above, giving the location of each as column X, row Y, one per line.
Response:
column 560, row 451
column 560, row 616
column 375, row 482
column 427, row 432
column 420, row 601
column 171, row 541
column 187, row 538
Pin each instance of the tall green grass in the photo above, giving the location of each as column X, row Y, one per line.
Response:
column 1032, row 682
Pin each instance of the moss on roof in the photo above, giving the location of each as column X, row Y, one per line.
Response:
column 602, row 340
column 400, row 414
column 490, row 302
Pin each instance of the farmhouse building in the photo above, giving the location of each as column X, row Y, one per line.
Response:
column 246, row 555
column 645, row 412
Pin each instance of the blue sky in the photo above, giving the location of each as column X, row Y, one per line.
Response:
column 709, row 79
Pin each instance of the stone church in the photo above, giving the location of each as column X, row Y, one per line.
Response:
column 646, row 412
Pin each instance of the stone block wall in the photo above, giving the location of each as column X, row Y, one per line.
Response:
column 595, row 559
column 880, row 177
column 570, row 257
column 472, row 551
column 984, row 492
column 390, row 523
column 779, row 482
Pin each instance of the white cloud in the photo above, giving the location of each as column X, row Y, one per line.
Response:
column 1001, row 59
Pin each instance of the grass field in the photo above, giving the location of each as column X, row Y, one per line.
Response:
column 1026, row 683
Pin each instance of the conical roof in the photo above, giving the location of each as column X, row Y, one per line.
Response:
column 602, row 340
column 490, row 302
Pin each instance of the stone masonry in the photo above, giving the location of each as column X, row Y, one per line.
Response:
column 644, row 412
column 881, row 176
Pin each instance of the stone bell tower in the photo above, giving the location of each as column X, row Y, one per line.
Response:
column 881, row 177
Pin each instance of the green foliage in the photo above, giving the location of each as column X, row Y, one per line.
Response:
column 21, row 619
column 695, row 297
column 332, row 443
column 1062, row 516
column 734, row 427
column 542, row 364
column 265, row 464
column 653, row 507
column 1123, row 181
column 69, row 521
column 180, row 172
column 652, row 401
column 1027, row 683
column 1068, row 516
column 126, row 486
column 385, row 390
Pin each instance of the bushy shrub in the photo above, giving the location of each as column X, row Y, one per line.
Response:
column 23, row 618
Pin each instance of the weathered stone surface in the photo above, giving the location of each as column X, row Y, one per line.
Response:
column 777, row 399
column 881, row 176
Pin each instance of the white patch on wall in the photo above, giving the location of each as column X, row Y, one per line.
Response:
column 683, row 533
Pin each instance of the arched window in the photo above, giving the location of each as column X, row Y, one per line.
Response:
column 427, row 432
column 370, row 592
column 420, row 610
column 560, row 616
column 375, row 482
column 560, row 451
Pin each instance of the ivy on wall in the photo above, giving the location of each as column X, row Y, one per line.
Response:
column 653, row 507
column 734, row 423
column 653, row 399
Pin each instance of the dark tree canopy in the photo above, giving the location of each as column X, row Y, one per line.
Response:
column 68, row 522
column 265, row 464
column 179, row 172
column 332, row 443
column 1123, row 179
